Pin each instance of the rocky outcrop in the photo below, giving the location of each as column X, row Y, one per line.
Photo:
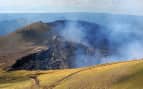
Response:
column 57, row 56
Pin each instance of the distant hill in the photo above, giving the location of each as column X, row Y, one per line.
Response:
column 8, row 26
column 20, row 20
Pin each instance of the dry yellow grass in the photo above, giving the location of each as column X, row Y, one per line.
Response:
column 123, row 75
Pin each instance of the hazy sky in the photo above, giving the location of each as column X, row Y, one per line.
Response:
column 110, row 6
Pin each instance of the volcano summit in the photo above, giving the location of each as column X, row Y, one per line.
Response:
column 56, row 45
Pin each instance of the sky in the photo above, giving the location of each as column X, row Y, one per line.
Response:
column 48, row 6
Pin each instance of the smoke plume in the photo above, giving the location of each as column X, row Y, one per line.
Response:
column 126, row 38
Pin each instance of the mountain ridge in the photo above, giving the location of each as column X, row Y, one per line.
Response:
column 22, row 42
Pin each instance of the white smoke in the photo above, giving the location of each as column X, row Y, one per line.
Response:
column 129, row 38
column 126, row 37
column 74, row 33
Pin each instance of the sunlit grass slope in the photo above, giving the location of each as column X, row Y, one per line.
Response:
column 123, row 75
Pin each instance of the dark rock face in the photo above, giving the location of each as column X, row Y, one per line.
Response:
column 42, row 60
column 58, row 56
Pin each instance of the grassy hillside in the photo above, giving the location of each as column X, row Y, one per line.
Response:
column 123, row 75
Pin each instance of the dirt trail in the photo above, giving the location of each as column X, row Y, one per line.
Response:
column 35, row 82
column 56, row 83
